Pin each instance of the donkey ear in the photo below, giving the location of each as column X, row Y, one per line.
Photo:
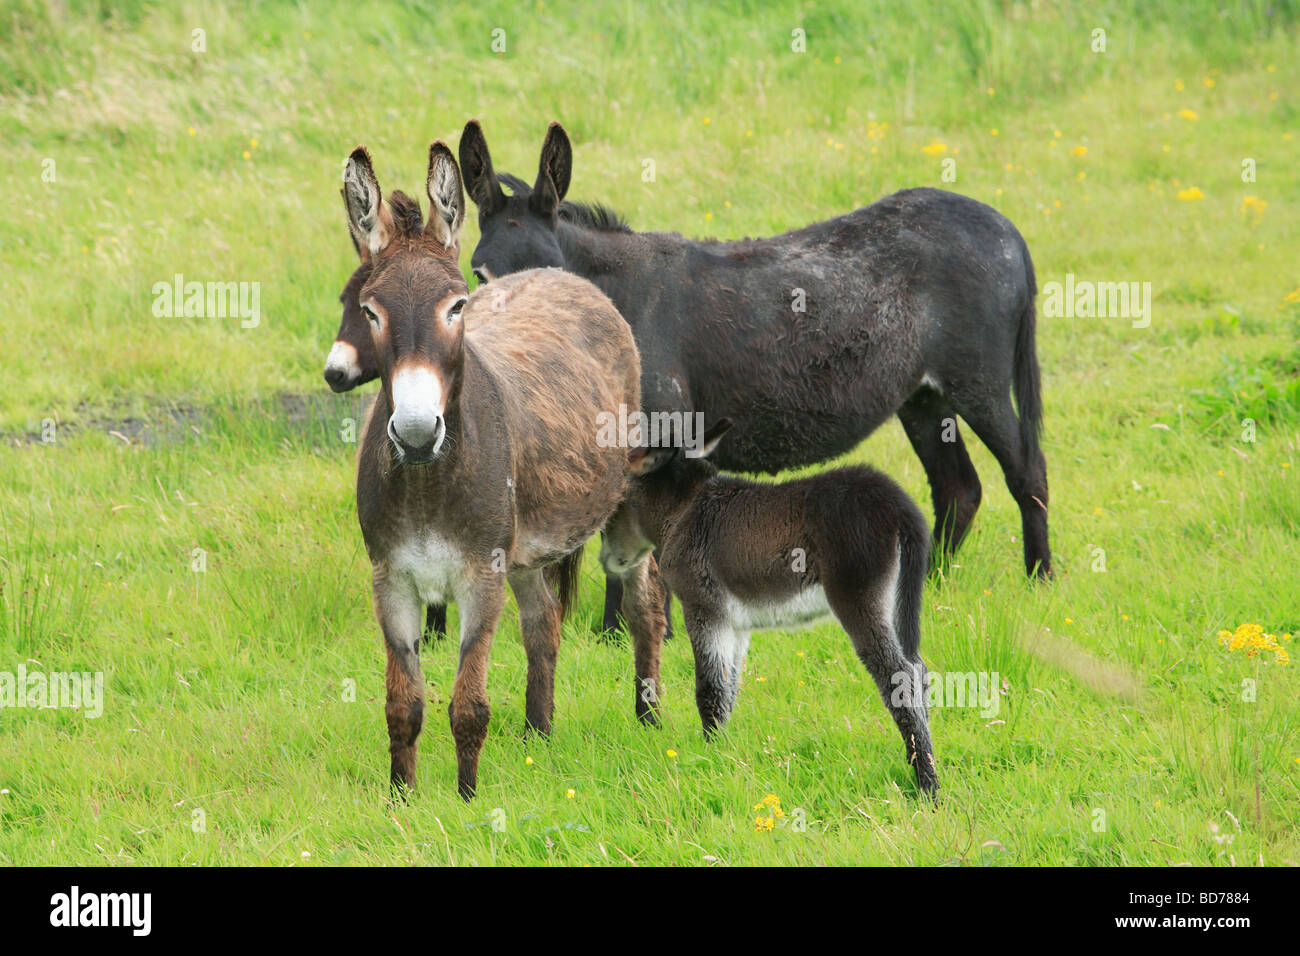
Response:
column 712, row 435
column 447, row 195
column 553, row 171
column 643, row 461
column 362, row 253
column 476, row 163
column 368, row 218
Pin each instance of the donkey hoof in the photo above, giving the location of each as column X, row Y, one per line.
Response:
column 466, row 788
column 533, row 728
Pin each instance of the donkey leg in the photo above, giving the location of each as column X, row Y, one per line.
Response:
column 469, row 711
column 643, row 603
column 397, row 607
column 716, row 680
column 613, row 601
column 1025, row 469
column 901, row 681
column 539, row 621
column 435, row 622
column 931, row 427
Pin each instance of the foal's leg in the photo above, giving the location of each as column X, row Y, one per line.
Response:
column 931, row 427
column 469, row 711
column 397, row 606
column 996, row 424
column 868, row 620
column 643, row 603
column 539, row 622
column 716, row 676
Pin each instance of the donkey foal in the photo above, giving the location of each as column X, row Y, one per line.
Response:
column 745, row 556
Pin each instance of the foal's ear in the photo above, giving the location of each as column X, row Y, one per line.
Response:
column 553, row 171
column 712, row 435
column 447, row 195
column 369, row 220
column 476, row 163
column 643, row 461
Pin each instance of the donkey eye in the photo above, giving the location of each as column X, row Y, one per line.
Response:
column 370, row 315
column 454, row 312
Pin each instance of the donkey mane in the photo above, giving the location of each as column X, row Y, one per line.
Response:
column 592, row 215
column 407, row 218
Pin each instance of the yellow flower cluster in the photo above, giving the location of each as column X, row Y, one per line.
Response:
column 1251, row 640
column 769, row 811
column 1254, row 206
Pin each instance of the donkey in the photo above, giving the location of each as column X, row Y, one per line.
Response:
column 480, row 460
column 919, row 305
column 351, row 362
column 743, row 556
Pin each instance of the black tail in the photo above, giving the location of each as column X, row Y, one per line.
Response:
column 913, row 568
column 1025, row 383
column 566, row 580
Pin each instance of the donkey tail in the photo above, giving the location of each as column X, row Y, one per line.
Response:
column 1025, row 382
column 913, row 568
column 566, row 580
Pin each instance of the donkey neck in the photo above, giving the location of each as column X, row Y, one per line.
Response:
column 667, row 510
column 626, row 266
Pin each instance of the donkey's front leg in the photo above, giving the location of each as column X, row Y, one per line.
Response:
column 398, row 608
column 643, row 609
column 469, row 711
column 718, row 658
column 539, row 622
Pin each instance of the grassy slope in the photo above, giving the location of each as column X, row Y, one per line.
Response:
column 225, row 687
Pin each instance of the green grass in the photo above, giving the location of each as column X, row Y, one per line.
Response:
column 226, row 688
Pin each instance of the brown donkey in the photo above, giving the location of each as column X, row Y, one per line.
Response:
column 480, row 460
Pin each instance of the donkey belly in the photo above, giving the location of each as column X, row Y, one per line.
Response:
column 797, row 610
column 536, row 550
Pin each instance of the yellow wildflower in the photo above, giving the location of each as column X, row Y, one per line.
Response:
column 1252, row 640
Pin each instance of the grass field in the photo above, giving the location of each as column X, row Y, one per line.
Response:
column 206, row 557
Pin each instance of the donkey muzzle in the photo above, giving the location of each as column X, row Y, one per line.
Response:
column 418, row 444
column 417, row 426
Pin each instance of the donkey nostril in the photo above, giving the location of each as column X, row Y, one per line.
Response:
column 424, row 444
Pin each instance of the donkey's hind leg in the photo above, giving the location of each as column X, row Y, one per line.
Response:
column 397, row 607
column 995, row 422
column 480, row 607
column 931, row 427
column 901, row 681
column 539, row 621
